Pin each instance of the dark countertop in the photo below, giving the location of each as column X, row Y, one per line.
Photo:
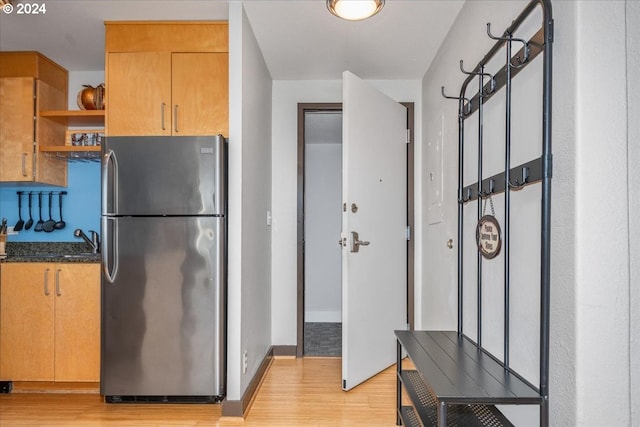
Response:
column 50, row 252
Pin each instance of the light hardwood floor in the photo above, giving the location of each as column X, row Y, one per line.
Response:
column 295, row 392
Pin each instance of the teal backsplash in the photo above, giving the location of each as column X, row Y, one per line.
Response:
column 81, row 204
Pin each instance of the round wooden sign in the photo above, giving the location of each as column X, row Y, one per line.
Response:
column 489, row 236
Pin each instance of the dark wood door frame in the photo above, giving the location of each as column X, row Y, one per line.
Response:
column 337, row 107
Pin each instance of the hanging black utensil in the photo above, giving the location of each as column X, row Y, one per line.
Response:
column 39, row 224
column 20, row 222
column 60, row 224
column 50, row 224
column 30, row 220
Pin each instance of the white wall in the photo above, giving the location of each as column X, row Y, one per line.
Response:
column 286, row 96
column 633, row 103
column 249, row 281
column 590, row 312
column 322, row 222
column 79, row 78
column 602, row 279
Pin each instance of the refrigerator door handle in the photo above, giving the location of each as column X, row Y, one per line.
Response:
column 109, row 157
column 107, row 237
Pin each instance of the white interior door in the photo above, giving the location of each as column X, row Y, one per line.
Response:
column 374, row 280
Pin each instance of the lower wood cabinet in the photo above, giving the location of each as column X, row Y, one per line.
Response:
column 50, row 322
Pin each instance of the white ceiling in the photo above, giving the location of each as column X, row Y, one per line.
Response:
column 300, row 39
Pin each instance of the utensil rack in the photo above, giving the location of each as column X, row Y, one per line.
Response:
column 451, row 378
column 35, row 208
column 74, row 156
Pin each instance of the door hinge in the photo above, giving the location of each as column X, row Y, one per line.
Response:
column 408, row 136
column 408, row 232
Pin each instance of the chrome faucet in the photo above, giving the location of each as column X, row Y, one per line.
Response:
column 94, row 242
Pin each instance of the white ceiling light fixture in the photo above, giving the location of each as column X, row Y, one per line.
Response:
column 354, row 10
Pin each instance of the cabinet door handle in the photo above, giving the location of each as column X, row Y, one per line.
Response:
column 46, row 282
column 175, row 118
column 24, row 164
column 58, row 293
column 162, row 115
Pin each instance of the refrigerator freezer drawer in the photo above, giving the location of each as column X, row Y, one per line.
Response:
column 163, row 306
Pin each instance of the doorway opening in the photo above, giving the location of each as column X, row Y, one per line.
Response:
column 319, row 196
column 322, row 226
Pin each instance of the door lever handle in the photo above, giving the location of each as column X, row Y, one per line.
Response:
column 356, row 242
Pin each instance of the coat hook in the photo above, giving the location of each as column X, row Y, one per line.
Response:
column 448, row 97
column 491, row 36
column 473, row 73
column 467, row 197
column 492, row 189
column 521, row 182
column 527, row 50
column 517, row 185
column 466, row 105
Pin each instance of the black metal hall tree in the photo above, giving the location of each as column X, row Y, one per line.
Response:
column 451, row 378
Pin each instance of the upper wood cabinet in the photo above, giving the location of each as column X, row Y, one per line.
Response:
column 138, row 100
column 29, row 83
column 167, row 78
column 16, row 128
column 200, row 93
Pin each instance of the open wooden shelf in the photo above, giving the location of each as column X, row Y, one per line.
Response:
column 67, row 148
column 76, row 117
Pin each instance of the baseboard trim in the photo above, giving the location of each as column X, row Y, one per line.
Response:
column 232, row 408
column 240, row 408
column 56, row 387
column 284, row 350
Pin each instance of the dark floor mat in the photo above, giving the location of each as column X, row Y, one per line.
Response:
column 322, row 339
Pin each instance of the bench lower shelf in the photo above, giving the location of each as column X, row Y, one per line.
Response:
column 426, row 408
column 409, row 417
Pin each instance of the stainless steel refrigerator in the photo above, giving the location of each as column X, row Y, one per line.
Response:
column 164, row 268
